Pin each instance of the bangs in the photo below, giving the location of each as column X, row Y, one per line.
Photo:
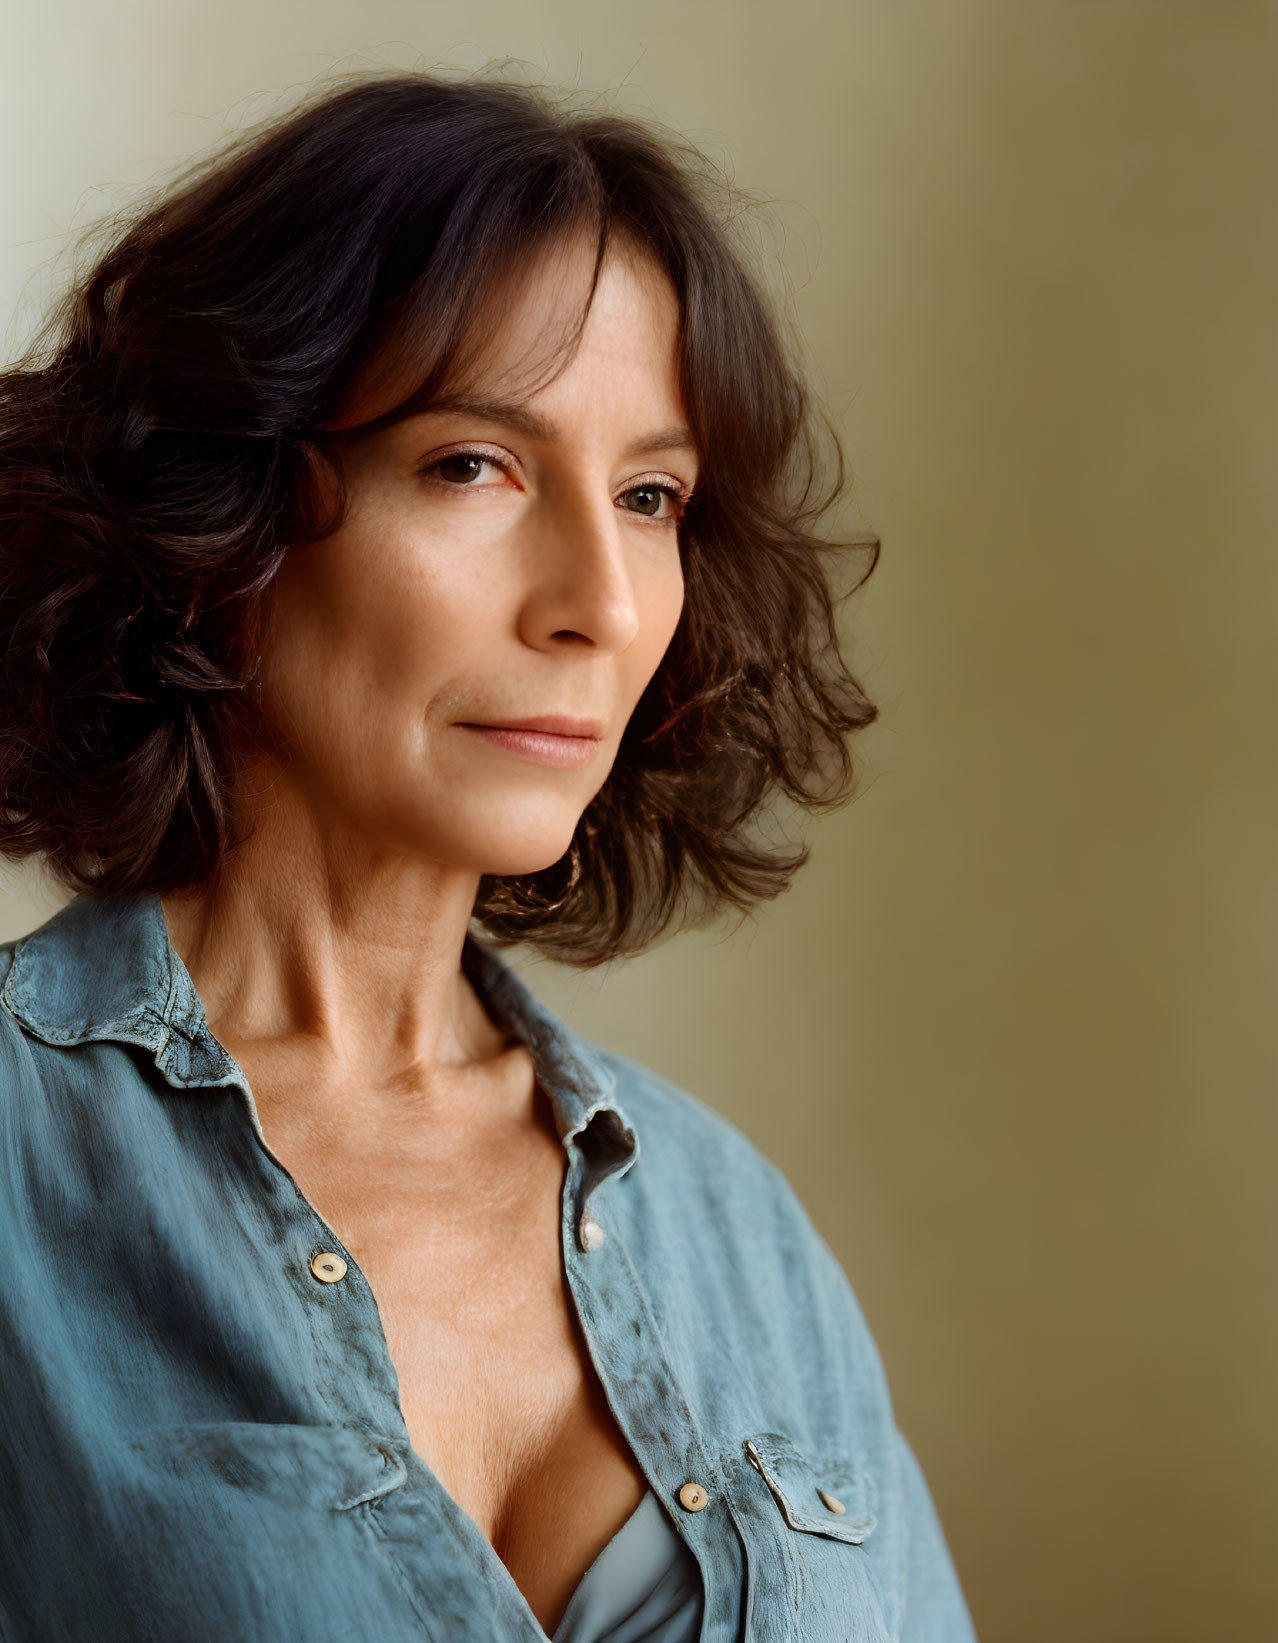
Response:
column 428, row 341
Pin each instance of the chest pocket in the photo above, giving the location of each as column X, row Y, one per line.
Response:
column 832, row 1498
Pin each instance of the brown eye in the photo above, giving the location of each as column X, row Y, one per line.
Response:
column 461, row 468
column 647, row 500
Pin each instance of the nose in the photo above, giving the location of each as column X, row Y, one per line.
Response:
column 581, row 572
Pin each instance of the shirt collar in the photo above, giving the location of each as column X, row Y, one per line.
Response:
column 103, row 967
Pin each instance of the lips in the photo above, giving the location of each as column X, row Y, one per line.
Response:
column 551, row 724
column 542, row 741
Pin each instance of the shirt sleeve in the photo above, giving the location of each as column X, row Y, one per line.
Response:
column 934, row 1610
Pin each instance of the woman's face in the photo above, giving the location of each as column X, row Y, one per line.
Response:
column 506, row 556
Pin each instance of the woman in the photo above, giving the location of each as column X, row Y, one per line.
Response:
column 407, row 551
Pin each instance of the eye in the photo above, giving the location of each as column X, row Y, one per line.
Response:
column 654, row 501
column 461, row 467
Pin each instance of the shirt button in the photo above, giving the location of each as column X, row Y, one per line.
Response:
column 328, row 1268
column 831, row 1502
column 693, row 1496
column 590, row 1232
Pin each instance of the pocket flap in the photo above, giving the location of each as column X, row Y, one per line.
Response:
column 810, row 1496
column 336, row 1466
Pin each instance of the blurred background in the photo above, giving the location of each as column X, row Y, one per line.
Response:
column 1012, row 1032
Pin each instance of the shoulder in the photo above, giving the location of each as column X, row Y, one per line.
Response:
column 765, row 1333
column 693, row 1148
column 34, row 1074
column 711, row 1211
column 15, row 1048
column 670, row 1120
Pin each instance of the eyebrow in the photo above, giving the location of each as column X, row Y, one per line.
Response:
column 510, row 414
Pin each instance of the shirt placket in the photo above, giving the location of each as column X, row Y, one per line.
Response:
column 629, row 1356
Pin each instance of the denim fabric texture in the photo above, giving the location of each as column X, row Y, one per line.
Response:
column 202, row 1443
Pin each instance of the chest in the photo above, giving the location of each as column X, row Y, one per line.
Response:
column 497, row 1388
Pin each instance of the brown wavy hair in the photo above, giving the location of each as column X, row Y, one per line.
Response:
column 161, row 439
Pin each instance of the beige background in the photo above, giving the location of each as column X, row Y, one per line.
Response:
column 1012, row 1033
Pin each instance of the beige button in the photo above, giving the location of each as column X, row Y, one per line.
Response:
column 590, row 1232
column 831, row 1502
column 693, row 1496
column 328, row 1268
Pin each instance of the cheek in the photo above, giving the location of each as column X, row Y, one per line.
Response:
column 662, row 606
column 668, row 597
column 401, row 590
column 366, row 627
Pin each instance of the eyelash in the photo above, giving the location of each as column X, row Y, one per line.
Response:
column 678, row 494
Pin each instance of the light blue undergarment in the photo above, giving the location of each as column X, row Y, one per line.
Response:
column 644, row 1587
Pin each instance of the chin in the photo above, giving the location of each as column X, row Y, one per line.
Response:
column 518, row 851
column 504, row 840
column 524, row 864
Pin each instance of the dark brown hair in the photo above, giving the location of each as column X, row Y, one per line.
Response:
column 160, row 441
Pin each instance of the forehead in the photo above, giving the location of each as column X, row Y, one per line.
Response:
column 539, row 331
column 545, row 321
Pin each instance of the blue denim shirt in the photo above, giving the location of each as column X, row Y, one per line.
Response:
column 200, row 1439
